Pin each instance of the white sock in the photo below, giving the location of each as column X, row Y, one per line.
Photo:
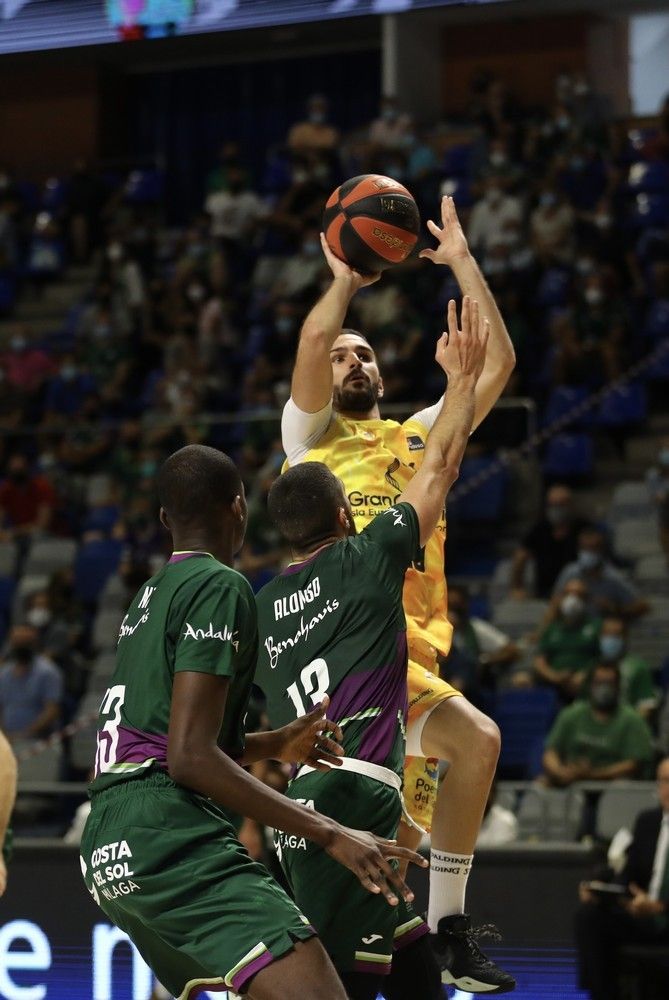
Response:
column 448, row 883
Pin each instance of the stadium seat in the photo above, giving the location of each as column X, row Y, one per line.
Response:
column 102, row 518
column 553, row 289
column 623, row 406
column 50, row 554
column 484, row 502
column 563, row 401
column 569, row 456
column 650, row 634
column 636, row 537
column 630, row 499
column 652, row 575
column 524, row 717
column 457, row 160
column 82, row 743
column 95, row 562
column 7, row 558
column 43, row 766
column 103, row 668
column 620, row 804
column 656, row 326
column 550, row 813
column 28, row 584
column 105, row 629
column 518, row 618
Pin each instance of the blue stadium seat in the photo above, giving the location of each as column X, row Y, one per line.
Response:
column 553, row 288
column 457, row 160
column 524, row 718
column 569, row 455
column 95, row 563
column 563, row 400
column 484, row 502
column 53, row 194
column 649, row 178
column 101, row 518
column 623, row 406
column 657, row 320
column 652, row 211
column 144, row 187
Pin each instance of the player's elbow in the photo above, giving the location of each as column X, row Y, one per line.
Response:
column 184, row 763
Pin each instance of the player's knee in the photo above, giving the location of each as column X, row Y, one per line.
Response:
column 488, row 741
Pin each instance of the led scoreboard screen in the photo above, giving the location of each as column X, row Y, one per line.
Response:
column 28, row 25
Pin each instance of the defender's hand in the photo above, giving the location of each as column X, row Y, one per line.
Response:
column 305, row 741
column 462, row 351
column 367, row 857
column 452, row 245
column 340, row 269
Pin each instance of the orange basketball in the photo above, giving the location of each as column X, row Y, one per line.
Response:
column 371, row 222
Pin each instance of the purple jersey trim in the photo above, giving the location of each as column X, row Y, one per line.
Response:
column 384, row 687
column 180, row 556
column 135, row 747
column 299, row 566
column 251, row 969
column 375, row 968
column 413, row 935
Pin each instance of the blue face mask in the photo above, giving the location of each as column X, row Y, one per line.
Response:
column 611, row 647
column 588, row 559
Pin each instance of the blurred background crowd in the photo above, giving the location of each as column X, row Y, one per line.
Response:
column 126, row 335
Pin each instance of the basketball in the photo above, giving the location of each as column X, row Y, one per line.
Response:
column 371, row 222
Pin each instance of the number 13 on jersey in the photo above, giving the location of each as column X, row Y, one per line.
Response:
column 314, row 682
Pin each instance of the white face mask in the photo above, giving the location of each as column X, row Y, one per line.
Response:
column 572, row 605
column 38, row 617
column 593, row 296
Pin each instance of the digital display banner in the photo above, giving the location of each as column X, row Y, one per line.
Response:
column 56, row 944
column 27, row 25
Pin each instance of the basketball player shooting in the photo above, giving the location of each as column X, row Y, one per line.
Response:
column 333, row 417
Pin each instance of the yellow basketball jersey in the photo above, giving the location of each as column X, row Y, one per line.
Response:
column 376, row 459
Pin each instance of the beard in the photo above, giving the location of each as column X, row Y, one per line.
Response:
column 355, row 398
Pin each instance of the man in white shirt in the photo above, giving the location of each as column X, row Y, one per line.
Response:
column 642, row 917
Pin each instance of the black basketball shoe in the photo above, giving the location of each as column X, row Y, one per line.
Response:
column 462, row 962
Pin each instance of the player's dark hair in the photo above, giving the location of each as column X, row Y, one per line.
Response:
column 304, row 502
column 356, row 333
column 196, row 483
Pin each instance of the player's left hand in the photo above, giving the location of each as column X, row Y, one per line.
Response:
column 308, row 740
column 641, row 905
column 452, row 240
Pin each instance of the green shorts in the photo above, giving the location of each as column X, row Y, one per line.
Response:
column 165, row 866
column 359, row 929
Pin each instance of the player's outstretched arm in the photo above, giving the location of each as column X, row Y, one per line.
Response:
column 500, row 360
column 461, row 353
column 8, row 772
column 195, row 760
column 311, row 387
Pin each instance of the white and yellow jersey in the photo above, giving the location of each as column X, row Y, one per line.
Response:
column 376, row 459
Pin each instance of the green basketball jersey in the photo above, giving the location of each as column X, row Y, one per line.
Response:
column 194, row 614
column 334, row 625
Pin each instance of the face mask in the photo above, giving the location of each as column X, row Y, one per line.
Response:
column 310, row 248
column 196, row 251
column 148, row 469
column 68, row 373
column 114, row 252
column 101, row 330
column 38, row 617
column 611, row 647
column 572, row 606
column 547, row 200
column 18, row 343
column 563, row 122
column 300, row 177
column 498, row 159
column 556, row 514
column 604, row 696
column 588, row 559
column 584, row 265
column 284, row 324
column 593, row 296
column 195, row 293
column 316, row 117
column 603, row 221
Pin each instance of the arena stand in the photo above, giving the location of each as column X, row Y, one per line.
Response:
column 126, row 337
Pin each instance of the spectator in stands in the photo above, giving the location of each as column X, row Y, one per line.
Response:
column 600, row 739
column 609, row 591
column 551, row 544
column 31, row 688
column 390, row 129
column 67, row 391
column 229, row 158
column 658, row 487
column 316, row 133
column 499, row 825
column 27, row 502
column 552, row 228
column 568, row 646
column 604, row 925
column 60, row 639
column 481, row 654
column 26, row 364
column 297, row 275
column 495, row 221
column 637, row 687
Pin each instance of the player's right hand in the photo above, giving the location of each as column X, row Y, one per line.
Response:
column 462, row 351
column 340, row 269
column 368, row 856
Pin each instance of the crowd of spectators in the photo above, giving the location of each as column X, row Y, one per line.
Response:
column 186, row 334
